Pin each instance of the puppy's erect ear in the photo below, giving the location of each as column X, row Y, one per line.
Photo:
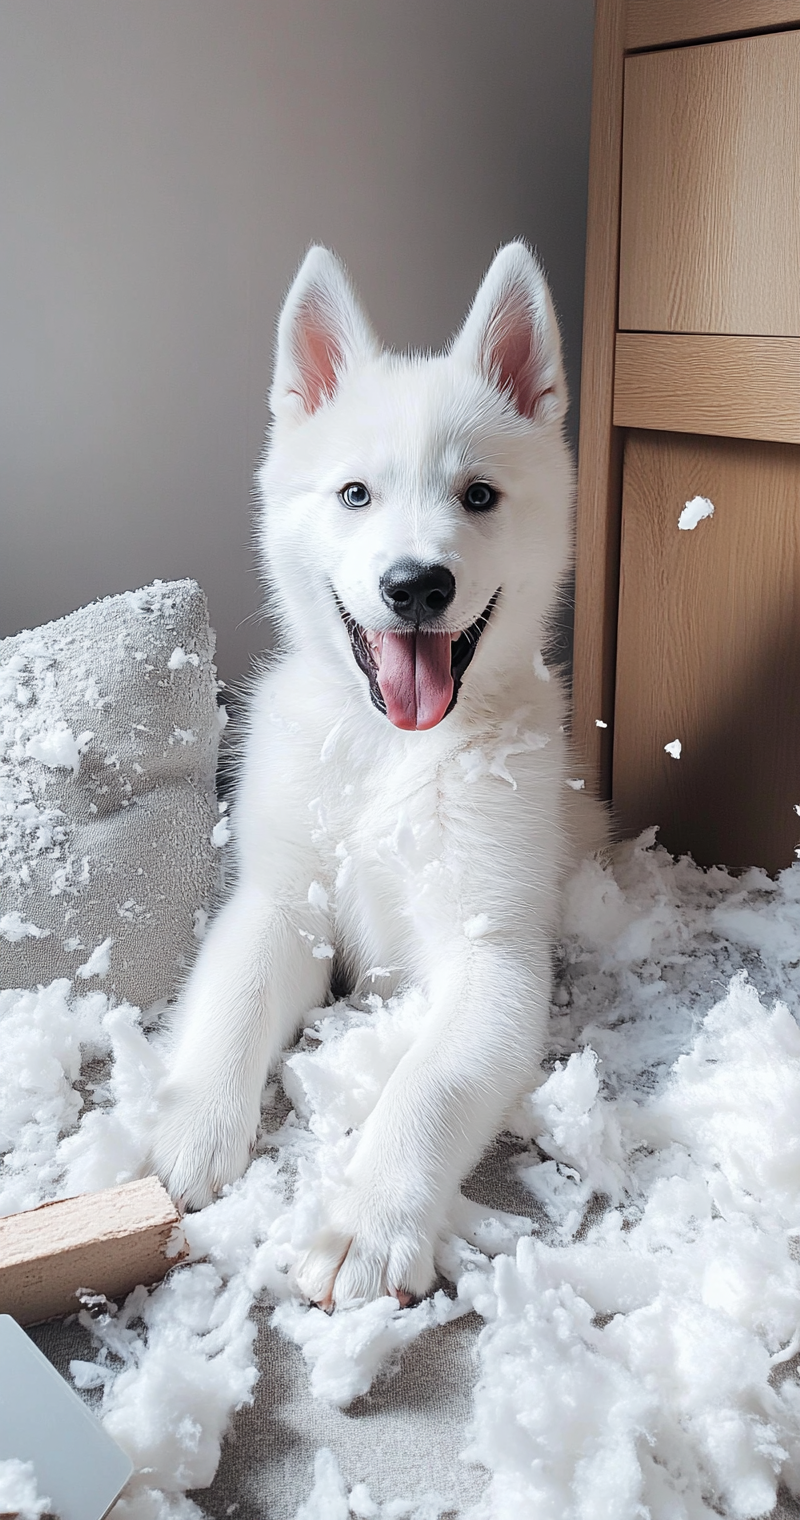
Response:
column 321, row 331
column 511, row 335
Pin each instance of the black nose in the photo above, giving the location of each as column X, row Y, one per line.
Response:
column 417, row 593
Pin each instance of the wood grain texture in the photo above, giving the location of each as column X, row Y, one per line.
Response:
column 599, row 450
column 108, row 1242
column 652, row 23
column 687, row 383
column 710, row 225
column 709, row 649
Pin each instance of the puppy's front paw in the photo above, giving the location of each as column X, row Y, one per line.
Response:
column 197, row 1146
column 364, row 1256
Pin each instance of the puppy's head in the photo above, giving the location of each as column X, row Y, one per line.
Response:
column 416, row 510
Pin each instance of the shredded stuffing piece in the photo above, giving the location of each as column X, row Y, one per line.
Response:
column 19, row 1495
column 221, row 833
column 694, row 512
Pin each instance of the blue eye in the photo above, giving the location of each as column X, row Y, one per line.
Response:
column 480, row 497
column 355, row 495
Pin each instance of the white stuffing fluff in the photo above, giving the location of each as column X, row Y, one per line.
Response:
column 179, row 658
column 14, row 928
column 694, row 512
column 674, row 748
column 330, row 1499
column 58, row 748
column 46, row 1033
column 99, row 962
column 221, row 833
column 19, row 1495
column 639, row 1329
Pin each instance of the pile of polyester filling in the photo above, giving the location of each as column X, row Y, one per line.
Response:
column 640, row 1333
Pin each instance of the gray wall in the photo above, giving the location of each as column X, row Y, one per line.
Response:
column 163, row 165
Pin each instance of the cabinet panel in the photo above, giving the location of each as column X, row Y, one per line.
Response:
column 651, row 23
column 708, row 383
column 710, row 230
column 709, row 649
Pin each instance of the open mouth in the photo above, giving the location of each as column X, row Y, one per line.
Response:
column 414, row 676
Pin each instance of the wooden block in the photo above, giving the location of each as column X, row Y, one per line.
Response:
column 106, row 1242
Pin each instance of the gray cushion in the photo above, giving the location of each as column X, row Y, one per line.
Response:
column 108, row 745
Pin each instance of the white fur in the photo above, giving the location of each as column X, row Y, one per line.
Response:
column 437, row 853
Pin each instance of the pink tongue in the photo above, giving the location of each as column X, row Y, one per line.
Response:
column 414, row 678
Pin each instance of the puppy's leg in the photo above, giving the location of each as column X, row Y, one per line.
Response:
column 441, row 1108
column 254, row 979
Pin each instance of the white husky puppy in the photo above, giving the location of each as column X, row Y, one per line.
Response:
column 403, row 797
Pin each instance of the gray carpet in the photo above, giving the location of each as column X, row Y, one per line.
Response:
column 403, row 1439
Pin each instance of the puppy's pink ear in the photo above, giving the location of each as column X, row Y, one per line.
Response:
column 321, row 332
column 511, row 336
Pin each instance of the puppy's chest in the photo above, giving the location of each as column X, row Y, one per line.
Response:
column 387, row 854
column 382, row 828
column 397, row 833
column 408, row 835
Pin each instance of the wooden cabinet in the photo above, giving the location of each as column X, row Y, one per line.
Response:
column 691, row 386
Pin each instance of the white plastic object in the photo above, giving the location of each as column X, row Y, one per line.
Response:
column 43, row 1421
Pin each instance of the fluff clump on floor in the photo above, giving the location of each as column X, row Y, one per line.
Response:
column 19, row 1495
column 640, row 1324
column 332, row 1499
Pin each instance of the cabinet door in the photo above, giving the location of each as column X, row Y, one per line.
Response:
column 710, row 230
column 709, row 649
